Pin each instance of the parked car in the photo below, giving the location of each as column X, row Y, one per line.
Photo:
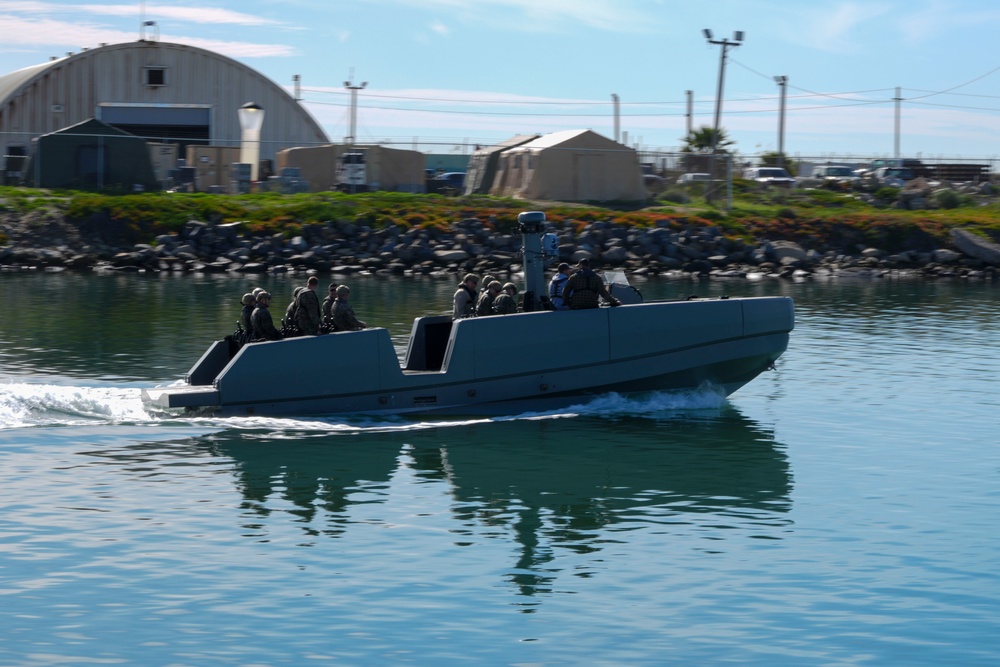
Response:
column 894, row 177
column 834, row 173
column 694, row 177
column 448, row 183
column 769, row 176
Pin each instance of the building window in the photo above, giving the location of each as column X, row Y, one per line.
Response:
column 156, row 76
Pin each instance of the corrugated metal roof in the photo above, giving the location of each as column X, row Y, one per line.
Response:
column 11, row 83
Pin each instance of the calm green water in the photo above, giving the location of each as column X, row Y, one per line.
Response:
column 841, row 510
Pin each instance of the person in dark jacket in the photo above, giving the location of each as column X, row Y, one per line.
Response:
column 307, row 313
column 584, row 287
column 343, row 314
column 263, row 326
column 506, row 303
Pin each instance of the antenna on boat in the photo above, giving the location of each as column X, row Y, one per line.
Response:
column 535, row 254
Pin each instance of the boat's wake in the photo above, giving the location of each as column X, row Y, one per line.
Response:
column 25, row 405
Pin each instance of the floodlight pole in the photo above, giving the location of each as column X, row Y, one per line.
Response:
column 354, row 109
column 726, row 45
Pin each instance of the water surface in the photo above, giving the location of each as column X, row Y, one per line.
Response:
column 840, row 510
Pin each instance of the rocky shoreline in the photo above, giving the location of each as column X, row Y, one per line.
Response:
column 345, row 247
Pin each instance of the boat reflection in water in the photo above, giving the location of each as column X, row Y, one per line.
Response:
column 546, row 485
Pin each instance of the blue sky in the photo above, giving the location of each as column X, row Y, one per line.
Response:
column 479, row 71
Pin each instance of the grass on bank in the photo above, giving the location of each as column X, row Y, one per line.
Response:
column 814, row 218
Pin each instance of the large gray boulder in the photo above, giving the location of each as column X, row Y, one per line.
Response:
column 976, row 246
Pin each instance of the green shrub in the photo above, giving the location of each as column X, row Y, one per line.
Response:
column 947, row 199
column 675, row 196
column 887, row 193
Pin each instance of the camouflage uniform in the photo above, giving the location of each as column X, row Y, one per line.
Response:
column 263, row 326
column 484, row 304
column 327, row 308
column 290, row 310
column 583, row 288
column 504, row 304
column 344, row 318
column 307, row 312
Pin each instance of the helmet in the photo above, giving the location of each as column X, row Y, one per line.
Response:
column 295, row 292
column 256, row 291
column 493, row 283
column 263, row 295
column 247, row 299
column 511, row 286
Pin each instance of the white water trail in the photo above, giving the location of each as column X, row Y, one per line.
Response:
column 26, row 405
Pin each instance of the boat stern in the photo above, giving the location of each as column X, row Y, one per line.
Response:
column 181, row 396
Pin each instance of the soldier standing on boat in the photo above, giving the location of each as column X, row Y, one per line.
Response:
column 307, row 313
column 343, row 314
column 465, row 297
column 584, row 287
column 506, row 303
column 263, row 326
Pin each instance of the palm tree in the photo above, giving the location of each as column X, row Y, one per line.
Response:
column 700, row 141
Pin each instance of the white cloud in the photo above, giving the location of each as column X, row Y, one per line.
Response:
column 831, row 28
column 190, row 14
column 542, row 15
column 60, row 35
column 440, row 28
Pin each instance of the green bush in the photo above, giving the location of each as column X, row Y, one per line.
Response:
column 947, row 199
column 887, row 193
column 675, row 196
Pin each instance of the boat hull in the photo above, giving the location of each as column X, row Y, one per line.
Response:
column 503, row 364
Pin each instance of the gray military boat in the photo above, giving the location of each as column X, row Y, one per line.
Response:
column 536, row 360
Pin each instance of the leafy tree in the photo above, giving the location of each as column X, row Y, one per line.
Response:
column 700, row 141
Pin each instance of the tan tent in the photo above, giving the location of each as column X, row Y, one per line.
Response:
column 387, row 168
column 572, row 165
column 484, row 161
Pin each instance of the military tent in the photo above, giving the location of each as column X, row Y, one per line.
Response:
column 484, row 161
column 387, row 169
column 572, row 165
column 90, row 156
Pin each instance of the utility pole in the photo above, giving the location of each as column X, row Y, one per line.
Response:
column 690, row 111
column 898, row 98
column 297, row 87
column 354, row 107
column 782, row 82
column 726, row 45
column 617, row 115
